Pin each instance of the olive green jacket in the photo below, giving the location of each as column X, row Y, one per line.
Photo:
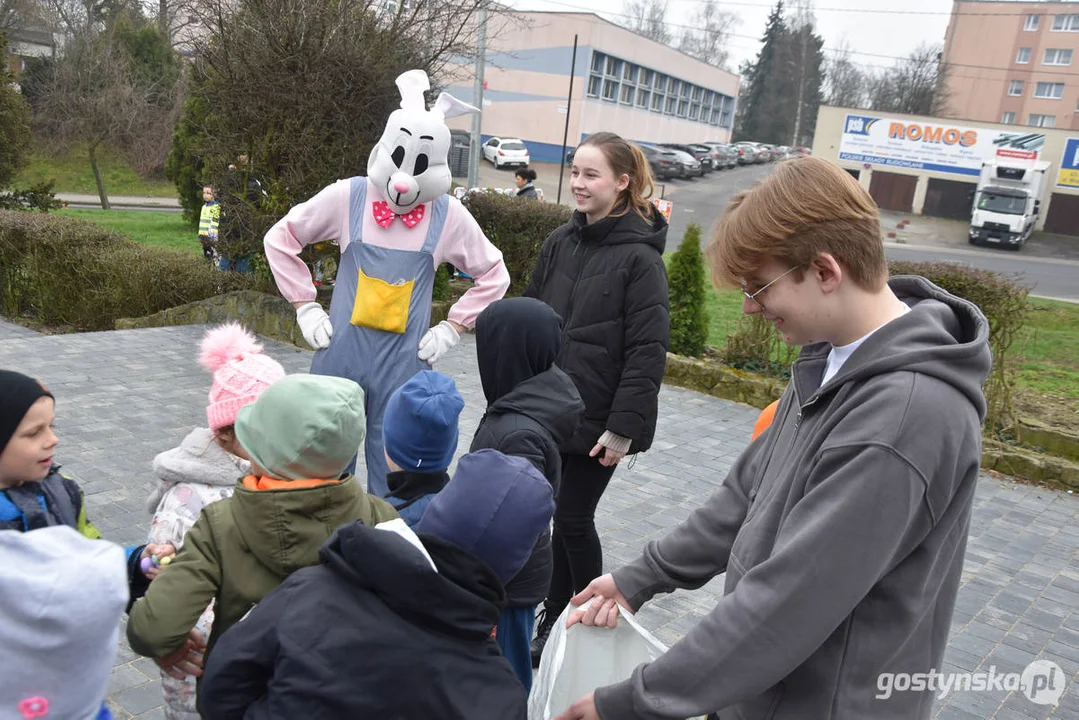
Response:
column 239, row 550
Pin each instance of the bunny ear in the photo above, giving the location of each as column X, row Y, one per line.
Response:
column 413, row 84
column 448, row 106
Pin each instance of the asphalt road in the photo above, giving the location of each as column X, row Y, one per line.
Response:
column 701, row 200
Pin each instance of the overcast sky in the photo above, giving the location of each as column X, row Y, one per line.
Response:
column 872, row 28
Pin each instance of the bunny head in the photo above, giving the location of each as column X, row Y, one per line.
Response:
column 409, row 164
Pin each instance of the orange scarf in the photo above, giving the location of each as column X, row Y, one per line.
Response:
column 268, row 483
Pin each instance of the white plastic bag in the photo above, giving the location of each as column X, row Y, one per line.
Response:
column 577, row 661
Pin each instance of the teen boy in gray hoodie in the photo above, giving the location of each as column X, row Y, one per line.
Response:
column 842, row 529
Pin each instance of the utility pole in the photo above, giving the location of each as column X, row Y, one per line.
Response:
column 565, row 132
column 477, row 98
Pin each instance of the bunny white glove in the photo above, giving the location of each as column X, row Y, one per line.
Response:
column 436, row 341
column 315, row 325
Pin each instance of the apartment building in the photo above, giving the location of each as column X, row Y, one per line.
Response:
column 1014, row 63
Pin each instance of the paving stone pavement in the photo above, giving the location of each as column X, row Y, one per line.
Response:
column 124, row 396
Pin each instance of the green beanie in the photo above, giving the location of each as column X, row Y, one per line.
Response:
column 303, row 427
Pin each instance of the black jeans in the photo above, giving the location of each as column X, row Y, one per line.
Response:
column 578, row 557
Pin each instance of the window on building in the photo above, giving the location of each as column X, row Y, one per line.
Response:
column 686, row 88
column 683, row 108
column 1016, row 88
column 629, row 73
column 1023, row 57
column 674, row 87
column 1053, row 91
column 1043, row 120
column 646, row 78
column 672, row 105
column 661, row 82
column 694, row 111
column 658, row 99
column 1057, row 56
column 610, row 90
column 614, row 67
column 1031, row 23
column 697, row 93
column 595, row 84
column 598, row 62
column 1066, row 23
column 1008, row 118
column 644, row 97
column 627, row 94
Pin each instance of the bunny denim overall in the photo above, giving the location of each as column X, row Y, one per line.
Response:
column 381, row 307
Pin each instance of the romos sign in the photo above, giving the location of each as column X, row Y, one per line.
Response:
column 934, row 147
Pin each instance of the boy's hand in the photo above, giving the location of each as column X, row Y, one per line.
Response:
column 151, row 569
column 185, row 660
column 583, row 709
column 602, row 612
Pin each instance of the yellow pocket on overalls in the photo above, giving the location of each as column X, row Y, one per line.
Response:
column 381, row 306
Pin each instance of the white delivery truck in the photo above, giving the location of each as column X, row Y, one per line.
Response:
column 1006, row 202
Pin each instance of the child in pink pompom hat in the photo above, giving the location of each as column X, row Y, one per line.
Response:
column 205, row 469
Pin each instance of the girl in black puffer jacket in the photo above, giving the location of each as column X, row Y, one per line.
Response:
column 532, row 409
column 603, row 273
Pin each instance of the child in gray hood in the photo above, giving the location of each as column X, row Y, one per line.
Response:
column 841, row 529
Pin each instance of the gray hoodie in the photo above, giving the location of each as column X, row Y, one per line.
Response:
column 841, row 530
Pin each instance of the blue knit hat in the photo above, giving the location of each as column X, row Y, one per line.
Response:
column 419, row 428
column 496, row 507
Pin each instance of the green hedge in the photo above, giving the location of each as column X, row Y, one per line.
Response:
column 756, row 345
column 69, row 272
column 518, row 227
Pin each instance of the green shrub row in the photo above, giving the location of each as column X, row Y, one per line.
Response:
column 68, row 272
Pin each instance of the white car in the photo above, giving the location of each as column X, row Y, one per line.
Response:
column 506, row 151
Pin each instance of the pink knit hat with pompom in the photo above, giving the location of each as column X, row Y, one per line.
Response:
column 241, row 371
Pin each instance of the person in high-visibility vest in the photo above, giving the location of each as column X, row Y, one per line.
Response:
column 209, row 220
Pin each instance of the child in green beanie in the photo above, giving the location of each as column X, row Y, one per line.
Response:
column 300, row 435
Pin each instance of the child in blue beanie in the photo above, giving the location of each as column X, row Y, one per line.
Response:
column 419, row 433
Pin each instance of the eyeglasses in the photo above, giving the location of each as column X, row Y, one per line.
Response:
column 753, row 297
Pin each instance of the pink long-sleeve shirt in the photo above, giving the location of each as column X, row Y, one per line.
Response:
column 326, row 217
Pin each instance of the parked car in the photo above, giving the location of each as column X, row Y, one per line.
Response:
column 716, row 159
column 749, row 153
column 503, row 152
column 769, row 151
column 664, row 163
column 700, row 153
column 724, row 155
column 691, row 166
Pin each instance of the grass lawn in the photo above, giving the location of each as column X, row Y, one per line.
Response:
column 73, row 174
column 147, row 228
column 1046, row 351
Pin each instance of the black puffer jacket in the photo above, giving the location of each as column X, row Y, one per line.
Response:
column 609, row 284
column 533, row 408
column 370, row 633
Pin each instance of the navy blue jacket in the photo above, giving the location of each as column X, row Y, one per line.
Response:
column 370, row 633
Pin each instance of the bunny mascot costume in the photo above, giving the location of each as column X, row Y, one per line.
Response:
column 394, row 227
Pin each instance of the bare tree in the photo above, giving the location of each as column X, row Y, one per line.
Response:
column 709, row 37
column 845, row 84
column 647, row 18
column 91, row 99
column 917, row 84
column 18, row 14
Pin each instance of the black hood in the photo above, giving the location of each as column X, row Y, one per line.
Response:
column 623, row 229
column 516, row 340
column 463, row 599
column 550, row 398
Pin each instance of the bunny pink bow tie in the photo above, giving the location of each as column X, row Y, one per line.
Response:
column 384, row 215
